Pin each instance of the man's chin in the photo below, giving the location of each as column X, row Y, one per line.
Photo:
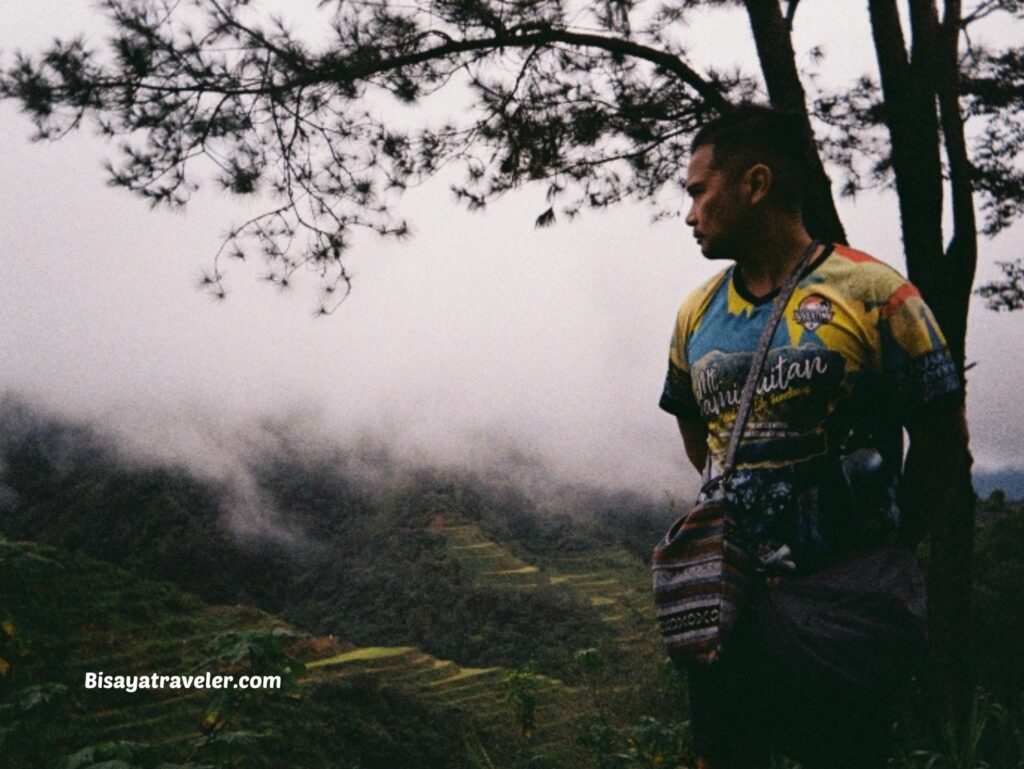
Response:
column 709, row 251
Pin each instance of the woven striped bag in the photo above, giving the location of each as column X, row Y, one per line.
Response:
column 700, row 578
column 700, row 572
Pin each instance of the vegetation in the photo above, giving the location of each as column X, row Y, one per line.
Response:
column 595, row 102
column 999, row 611
column 346, row 559
column 66, row 615
column 510, row 635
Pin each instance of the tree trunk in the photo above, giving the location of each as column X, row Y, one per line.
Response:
column 778, row 64
column 954, row 583
column 911, row 87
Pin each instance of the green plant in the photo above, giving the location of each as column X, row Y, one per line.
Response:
column 993, row 739
column 251, row 653
column 31, row 720
column 521, row 688
column 122, row 754
column 647, row 744
column 476, row 753
column 236, row 749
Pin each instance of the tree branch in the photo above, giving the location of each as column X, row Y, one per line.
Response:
column 349, row 69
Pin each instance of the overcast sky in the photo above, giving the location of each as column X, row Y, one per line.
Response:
column 478, row 336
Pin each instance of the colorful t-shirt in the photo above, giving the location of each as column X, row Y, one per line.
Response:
column 856, row 356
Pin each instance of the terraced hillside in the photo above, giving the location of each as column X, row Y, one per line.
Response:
column 480, row 693
column 64, row 615
column 610, row 580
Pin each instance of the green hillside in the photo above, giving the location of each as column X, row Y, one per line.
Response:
column 614, row 583
column 479, row 694
column 459, row 601
column 419, row 617
column 340, row 555
column 65, row 615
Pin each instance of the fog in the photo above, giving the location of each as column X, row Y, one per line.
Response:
column 480, row 342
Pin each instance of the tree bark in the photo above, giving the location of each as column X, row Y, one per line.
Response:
column 962, row 249
column 771, row 32
column 954, row 584
column 914, row 134
column 912, row 86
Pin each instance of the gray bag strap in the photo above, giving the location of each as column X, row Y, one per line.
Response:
column 760, row 354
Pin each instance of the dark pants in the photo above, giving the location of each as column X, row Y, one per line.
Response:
column 763, row 697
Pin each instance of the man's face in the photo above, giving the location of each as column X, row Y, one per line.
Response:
column 718, row 212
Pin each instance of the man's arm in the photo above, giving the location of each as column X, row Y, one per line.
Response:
column 935, row 461
column 695, row 440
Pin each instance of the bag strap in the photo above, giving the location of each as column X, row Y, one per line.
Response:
column 760, row 354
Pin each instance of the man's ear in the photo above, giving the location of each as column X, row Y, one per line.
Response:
column 758, row 181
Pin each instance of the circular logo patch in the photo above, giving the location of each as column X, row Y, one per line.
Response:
column 813, row 311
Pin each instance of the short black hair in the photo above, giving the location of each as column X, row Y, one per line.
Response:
column 754, row 133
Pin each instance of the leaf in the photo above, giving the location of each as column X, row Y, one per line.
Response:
column 546, row 219
column 108, row 755
column 41, row 695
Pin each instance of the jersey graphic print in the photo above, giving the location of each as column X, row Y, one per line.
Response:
column 813, row 311
column 856, row 356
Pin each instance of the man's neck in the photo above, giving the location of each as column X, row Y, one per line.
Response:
column 764, row 265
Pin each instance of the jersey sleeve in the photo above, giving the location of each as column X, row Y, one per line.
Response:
column 677, row 394
column 916, row 364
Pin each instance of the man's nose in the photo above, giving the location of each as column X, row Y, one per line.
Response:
column 691, row 216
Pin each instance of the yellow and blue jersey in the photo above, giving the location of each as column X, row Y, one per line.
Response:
column 856, row 357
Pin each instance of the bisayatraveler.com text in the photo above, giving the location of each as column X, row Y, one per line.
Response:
column 207, row 680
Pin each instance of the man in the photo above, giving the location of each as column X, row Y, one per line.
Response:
column 856, row 358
